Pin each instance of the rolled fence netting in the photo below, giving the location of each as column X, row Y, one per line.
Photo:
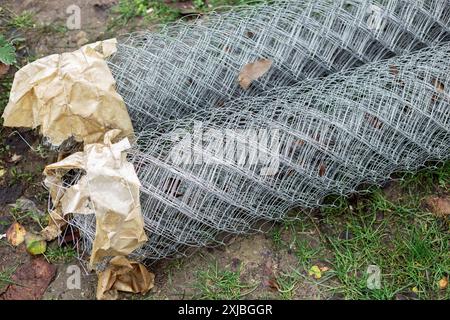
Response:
column 194, row 66
column 221, row 171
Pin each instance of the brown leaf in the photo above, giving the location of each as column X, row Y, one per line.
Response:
column 227, row 49
column 393, row 70
column 30, row 281
column 14, row 158
column 273, row 284
column 322, row 170
column 123, row 275
column 253, row 71
column 443, row 283
column 434, row 97
column 249, row 34
column 374, row 121
column 35, row 244
column 4, row 68
column 438, row 85
column 439, row 206
column 16, row 234
column 220, row 103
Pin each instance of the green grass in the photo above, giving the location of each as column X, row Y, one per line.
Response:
column 305, row 253
column 5, row 277
column 287, row 284
column 42, row 151
column 410, row 246
column 53, row 28
column 154, row 11
column 25, row 20
column 21, row 215
column 129, row 9
column 219, row 3
column 276, row 237
column 60, row 254
column 18, row 176
column 427, row 179
column 219, row 284
column 158, row 11
column 415, row 256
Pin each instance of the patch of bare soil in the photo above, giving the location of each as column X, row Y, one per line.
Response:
column 51, row 33
column 256, row 259
column 65, row 286
column 254, row 256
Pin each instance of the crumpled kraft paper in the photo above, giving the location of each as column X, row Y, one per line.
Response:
column 109, row 188
column 123, row 275
column 69, row 94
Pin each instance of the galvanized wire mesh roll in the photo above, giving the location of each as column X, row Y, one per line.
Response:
column 194, row 66
column 225, row 169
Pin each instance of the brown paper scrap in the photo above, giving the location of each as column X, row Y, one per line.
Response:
column 109, row 188
column 69, row 94
column 123, row 275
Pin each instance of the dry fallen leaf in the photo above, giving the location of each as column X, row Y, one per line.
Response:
column 249, row 34
column 322, row 170
column 440, row 206
column 373, row 121
column 443, row 283
column 16, row 234
column 4, row 68
column 14, row 158
column 253, row 71
column 273, row 284
column 35, row 244
column 123, row 275
column 438, row 85
column 324, row 269
column 315, row 272
column 393, row 70
column 30, row 281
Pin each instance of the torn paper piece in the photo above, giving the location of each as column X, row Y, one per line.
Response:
column 109, row 188
column 54, row 227
column 123, row 275
column 69, row 94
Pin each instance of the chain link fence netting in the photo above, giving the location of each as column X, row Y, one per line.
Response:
column 224, row 170
column 192, row 66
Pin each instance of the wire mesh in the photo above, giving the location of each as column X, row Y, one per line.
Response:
column 222, row 170
column 194, row 66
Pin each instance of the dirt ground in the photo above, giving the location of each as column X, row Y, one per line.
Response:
column 255, row 255
column 258, row 266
